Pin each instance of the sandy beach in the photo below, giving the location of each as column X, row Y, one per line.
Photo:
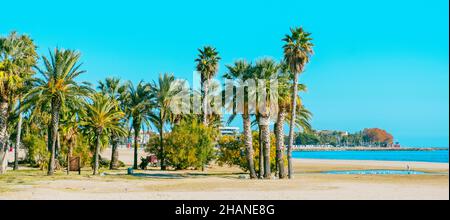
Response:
column 227, row 183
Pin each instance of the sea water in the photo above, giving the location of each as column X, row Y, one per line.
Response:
column 376, row 172
column 438, row 156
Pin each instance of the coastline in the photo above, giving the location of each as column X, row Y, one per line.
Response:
column 307, row 149
column 337, row 164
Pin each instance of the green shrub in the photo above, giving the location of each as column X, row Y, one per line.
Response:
column 232, row 151
column 190, row 145
column 38, row 154
column 152, row 146
column 102, row 162
column 120, row 163
column 273, row 150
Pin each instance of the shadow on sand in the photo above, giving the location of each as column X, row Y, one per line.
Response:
column 180, row 175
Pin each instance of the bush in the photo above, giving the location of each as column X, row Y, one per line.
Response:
column 38, row 154
column 84, row 153
column 81, row 149
column 232, row 151
column 152, row 146
column 190, row 145
column 273, row 150
column 120, row 163
column 102, row 162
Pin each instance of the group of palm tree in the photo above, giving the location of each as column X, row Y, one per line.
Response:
column 297, row 51
column 68, row 109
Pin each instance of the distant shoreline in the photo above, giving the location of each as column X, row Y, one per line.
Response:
column 305, row 149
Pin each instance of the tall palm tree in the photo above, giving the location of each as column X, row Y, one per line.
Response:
column 116, row 90
column 17, row 57
column 207, row 65
column 284, row 95
column 26, row 86
column 266, row 70
column 241, row 71
column 163, row 93
column 284, row 106
column 59, row 88
column 138, row 107
column 102, row 116
column 297, row 50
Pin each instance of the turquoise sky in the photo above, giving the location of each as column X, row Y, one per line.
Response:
column 377, row 63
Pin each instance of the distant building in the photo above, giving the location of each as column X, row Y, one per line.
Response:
column 229, row 130
column 128, row 142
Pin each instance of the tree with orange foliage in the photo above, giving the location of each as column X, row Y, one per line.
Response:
column 377, row 136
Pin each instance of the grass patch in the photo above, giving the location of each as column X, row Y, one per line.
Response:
column 4, row 189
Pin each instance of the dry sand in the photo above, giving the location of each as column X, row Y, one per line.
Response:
column 225, row 183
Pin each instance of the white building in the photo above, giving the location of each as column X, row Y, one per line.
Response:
column 229, row 130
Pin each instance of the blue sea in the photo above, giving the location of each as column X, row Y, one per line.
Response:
column 439, row 156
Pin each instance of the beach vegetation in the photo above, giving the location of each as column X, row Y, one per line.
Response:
column 191, row 145
column 81, row 120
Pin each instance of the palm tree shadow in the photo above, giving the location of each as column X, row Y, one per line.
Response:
column 214, row 174
column 160, row 175
column 181, row 175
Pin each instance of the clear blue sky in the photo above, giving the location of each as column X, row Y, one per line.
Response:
column 377, row 63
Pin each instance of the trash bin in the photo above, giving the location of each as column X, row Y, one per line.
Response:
column 130, row 171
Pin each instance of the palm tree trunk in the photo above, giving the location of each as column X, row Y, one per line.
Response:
column 280, row 142
column 265, row 132
column 69, row 154
column 114, row 153
column 55, row 124
column 4, row 136
column 57, row 150
column 249, row 145
column 291, row 126
column 161, row 147
column 71, row 145
column 96, row 153
column 17, row 145
column 58, row 143
column 49, row 137
column 277, row 153
column 205, row 103
column 136, row 135
column 261, row 152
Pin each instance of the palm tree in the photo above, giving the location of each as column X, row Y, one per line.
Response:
column 163, row 93
column 207, row 65
column 58, row 88
column 241, row 71
column 267, row 70
column 103, row 117
column 138, row 107
column 284, row 97
column 17, row 57
column 297, row 50
column 284, row 106
column 70, row 129
column 116, row 90
column 26, row 86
